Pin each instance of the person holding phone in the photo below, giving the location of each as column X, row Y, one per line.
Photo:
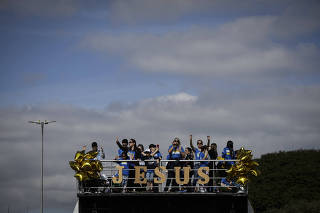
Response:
column 94, row 146
column 176, row 152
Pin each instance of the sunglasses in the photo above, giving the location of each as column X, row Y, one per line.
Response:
column 130, row 142
column 199, row 143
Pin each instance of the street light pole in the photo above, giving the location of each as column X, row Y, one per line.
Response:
column 42, row 123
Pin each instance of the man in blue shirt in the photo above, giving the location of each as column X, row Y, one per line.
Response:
column 176, row 152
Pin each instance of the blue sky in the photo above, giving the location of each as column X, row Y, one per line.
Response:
column 42, row 51
column 151, row 70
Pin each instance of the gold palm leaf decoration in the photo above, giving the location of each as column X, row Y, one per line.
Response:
column 85, row 167
column 243, row 168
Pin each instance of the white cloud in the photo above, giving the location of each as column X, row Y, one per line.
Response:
column 242, row 48
column 282, row 120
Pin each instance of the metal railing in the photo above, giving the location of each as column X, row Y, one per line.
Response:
column 214, row 177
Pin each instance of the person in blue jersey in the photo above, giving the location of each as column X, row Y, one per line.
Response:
column 155, row 153
column 125, row 170
column 151, row 165
column 123, row 147
column 204, row 156
column 176, row 152
column 228, row 154
column 200, row 153
column 229, row 185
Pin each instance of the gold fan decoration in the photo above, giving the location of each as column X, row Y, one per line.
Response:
column 241, row 170
column 85, row 167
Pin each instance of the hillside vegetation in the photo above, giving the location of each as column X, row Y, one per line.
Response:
column 289, row 182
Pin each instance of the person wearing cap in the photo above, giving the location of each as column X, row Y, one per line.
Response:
column 154, row 155
column 148, row 156
column 94, row 146
column 99, row 156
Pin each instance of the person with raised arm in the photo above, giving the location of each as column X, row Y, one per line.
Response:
column 123, row 147
column 151, row 165
column 201, row 153
column 100, row 156
column 100, row 151
column 175, row 152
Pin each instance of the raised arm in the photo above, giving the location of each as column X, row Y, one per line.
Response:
column 102, row 153
column 155, row 152
column 208, row 138
column 191, row 145
column 119, row 145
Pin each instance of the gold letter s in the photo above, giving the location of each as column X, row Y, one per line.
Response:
column 159, row 174
column 203, row 175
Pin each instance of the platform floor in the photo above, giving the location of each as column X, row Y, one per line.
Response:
column 163, row 202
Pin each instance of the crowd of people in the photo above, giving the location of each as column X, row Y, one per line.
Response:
column 151, row 157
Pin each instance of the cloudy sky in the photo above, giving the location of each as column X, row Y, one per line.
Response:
column 151, row 70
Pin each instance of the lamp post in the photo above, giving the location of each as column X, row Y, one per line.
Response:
column 42, row 123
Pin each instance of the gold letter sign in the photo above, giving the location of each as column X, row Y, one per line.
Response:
column 161, row 176
column 139, row 176
column 203, row 175
column 185, row 175
column 114, row 179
